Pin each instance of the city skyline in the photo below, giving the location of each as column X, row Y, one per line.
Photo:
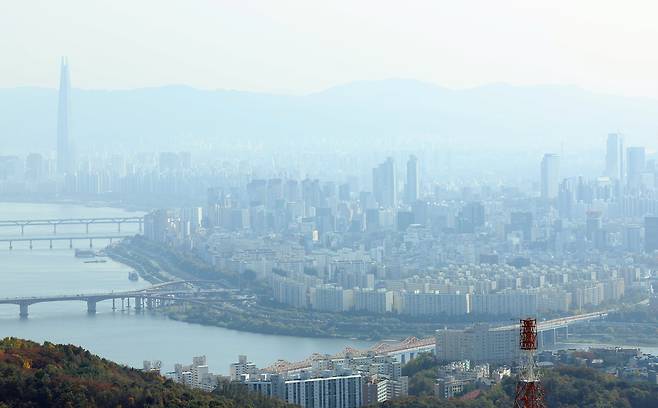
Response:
column 369, row 204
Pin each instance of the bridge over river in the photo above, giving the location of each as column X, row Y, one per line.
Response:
column 154, row 296
column 54, row 222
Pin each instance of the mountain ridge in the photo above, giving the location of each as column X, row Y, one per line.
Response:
column 399, row 111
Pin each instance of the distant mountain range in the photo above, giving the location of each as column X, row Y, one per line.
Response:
column 354, row 115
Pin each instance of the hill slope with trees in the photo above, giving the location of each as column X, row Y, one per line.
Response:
column 565, row 387
column 50, row 375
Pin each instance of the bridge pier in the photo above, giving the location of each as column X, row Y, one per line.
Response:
column 87, row 229
column 113, row 306
column 51, row 244
column 54, row 229
column 91, row 306
column 10, row 246
column 70, row 244
column 30, row 244
column 23, row 310
column 118, row 226
column 138, row 303
column 22, row 230
column 91, row 244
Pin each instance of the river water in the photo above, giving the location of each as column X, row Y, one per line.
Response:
column 124, row 337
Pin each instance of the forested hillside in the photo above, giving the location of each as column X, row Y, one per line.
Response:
column 565, row 387
column 50, row 375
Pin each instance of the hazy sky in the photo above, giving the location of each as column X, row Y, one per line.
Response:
column 304, row 46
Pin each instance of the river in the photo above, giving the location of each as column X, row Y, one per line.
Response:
column 125, row 337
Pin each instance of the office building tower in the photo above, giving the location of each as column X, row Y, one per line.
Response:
column 636, row 166
column 470, row 217
column 651, row 234
column 344, row 192
column 550, row 173
column 155, row 225
column 633, row 238
column 614, row 157
column 65, row 156
column 593, row 225
column 566, row 199
column 384, row 184
column 412, row 186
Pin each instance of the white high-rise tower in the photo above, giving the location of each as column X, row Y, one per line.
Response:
column 614, row 157
column 65, row 156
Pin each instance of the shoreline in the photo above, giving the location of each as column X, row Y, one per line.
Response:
column 257, row 318
column 80, row 202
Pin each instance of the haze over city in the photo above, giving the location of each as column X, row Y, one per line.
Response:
column 328, row 204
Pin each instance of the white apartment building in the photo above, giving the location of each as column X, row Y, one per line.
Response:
column 432, row 304
column 478, row 344
column 373, row 301
column 242, row 367
column 329, row 392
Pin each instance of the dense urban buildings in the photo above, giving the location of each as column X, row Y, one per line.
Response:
column 339, row 205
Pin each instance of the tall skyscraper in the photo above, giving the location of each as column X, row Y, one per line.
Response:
column 65, row 156
column 636, row 166
column 412, row 186
column 384, row 184
column 614, row 157
column 550, row 174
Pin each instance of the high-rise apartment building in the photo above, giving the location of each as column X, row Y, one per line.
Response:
column 384, row 184
column 65, row 153
column 478, row 344
column 550, row 174
column 614, row 157
column 413, row 184
column 338, row 392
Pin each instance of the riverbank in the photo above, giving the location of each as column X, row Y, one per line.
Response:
column 95, row 203
column 254, row 310
column 612, row 332
column 249, row 311
column 145, row 269
column 304, row 323
column 124, row 336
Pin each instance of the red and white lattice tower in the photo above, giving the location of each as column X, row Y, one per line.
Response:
column 529, row 393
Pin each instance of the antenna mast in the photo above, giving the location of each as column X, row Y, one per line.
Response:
column 529, row 393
